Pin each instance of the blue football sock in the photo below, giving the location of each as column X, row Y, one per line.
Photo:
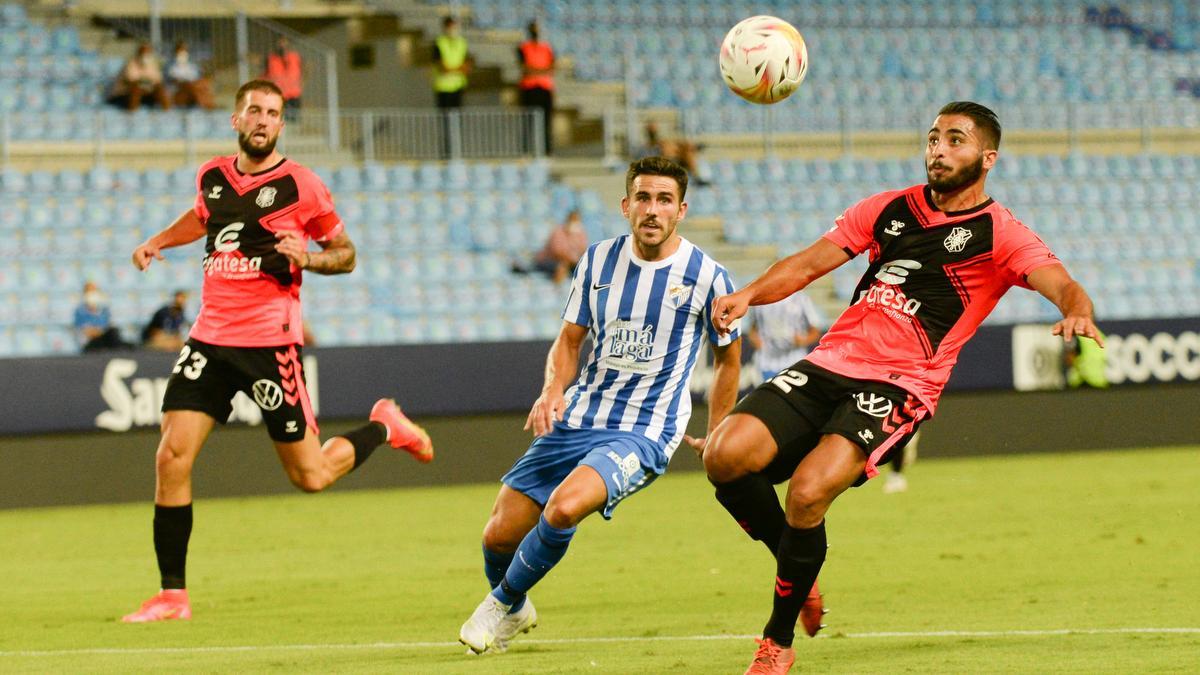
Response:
column 539, row 551
column 495, row 564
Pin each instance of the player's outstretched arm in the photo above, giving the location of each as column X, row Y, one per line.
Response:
column 562, row 363
column 722, row 395
column 186, row 229
column 1056, row 284
column 779, row 281
column 337, row 256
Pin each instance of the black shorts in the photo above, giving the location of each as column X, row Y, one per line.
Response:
column 804, row 402
column 206, row 378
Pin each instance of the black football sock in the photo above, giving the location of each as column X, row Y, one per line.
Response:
column 801, row 554
column 365, row 439
column 752, row 502
column 897, row 460
column 172, row 529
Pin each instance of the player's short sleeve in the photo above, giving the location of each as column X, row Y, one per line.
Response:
column 199, row 207
column 321, row 221
column 579, row 309
column 1018, row 251
column 854, row 230
column 721, row 285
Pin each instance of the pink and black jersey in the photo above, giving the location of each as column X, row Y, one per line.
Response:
column 934, row 276
column 251, row 293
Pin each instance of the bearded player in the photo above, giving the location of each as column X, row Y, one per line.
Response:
column 256, row 210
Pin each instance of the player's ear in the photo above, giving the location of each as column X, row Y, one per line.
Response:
column 682, row 210
column 625, row 206
column 989, row 158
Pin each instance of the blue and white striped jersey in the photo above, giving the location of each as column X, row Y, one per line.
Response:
column 646, row 319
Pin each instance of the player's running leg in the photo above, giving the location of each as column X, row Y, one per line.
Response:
column 826, row 472
column 513, row 516
column 183, row 434
column 312, row 467
column 583, row 492
column 740, row 449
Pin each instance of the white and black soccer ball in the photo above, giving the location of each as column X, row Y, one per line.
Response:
column 763, row 59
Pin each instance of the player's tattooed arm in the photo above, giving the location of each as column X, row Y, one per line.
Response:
column 337, row 256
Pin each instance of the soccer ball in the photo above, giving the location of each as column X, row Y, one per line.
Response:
column 763, row 59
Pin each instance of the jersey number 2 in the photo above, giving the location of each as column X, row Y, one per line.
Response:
column 787, row 379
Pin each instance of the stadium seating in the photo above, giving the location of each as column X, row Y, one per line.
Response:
column 1126, row 225
column 46, row 70
column 1030, row 58
column 432, row 268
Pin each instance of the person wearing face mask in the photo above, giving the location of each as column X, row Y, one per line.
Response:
column 192, row 89
column 93, row 322
column 141, row 77
column 537, row 79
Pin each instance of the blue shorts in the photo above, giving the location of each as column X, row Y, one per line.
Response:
column 626, row 461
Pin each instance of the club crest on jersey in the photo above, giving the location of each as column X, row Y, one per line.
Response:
column 265, row 198
column 957, row 240
column 678, row 293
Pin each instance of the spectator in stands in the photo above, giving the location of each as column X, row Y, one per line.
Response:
column 537, row 80
column 1086, row 363
column 782, row 332
column 192, row 88
column 165, row 330
column 451, row 64
column 565, row 245
column 93, row 322
column 286, row 70
column 679, row 150
column 141, row 78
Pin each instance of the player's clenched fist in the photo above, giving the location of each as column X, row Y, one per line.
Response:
column 292, row 245
column 142, row 255
column 727, row 309
column 546, row 410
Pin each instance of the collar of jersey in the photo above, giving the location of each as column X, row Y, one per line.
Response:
column 927, row 194
column 654, row 264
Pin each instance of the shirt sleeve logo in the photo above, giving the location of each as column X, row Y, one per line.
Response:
column 266, row 197
column 957, row 240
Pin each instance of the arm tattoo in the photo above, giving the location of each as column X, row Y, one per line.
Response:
column 337, row 258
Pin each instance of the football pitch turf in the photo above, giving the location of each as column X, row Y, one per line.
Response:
column 1080, row 562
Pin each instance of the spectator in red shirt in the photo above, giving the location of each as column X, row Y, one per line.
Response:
column 285, row 69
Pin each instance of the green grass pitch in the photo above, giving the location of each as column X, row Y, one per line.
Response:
column 1047, row 563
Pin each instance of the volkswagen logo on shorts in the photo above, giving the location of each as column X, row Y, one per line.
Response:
column 267, row 394
column 873, row 404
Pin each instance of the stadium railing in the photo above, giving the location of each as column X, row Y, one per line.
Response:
column 239, row 43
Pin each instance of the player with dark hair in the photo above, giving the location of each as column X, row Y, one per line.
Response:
column 258, row 210
column 941, row 256
column 644, row 298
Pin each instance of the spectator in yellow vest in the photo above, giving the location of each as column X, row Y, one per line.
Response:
column 451, row 64
column 537, row 78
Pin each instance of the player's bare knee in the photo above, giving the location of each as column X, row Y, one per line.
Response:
column 565, row 512
column 310, row 481
column 499, row 537
column 806, row 506
column 173, row 458
column 726, row 458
